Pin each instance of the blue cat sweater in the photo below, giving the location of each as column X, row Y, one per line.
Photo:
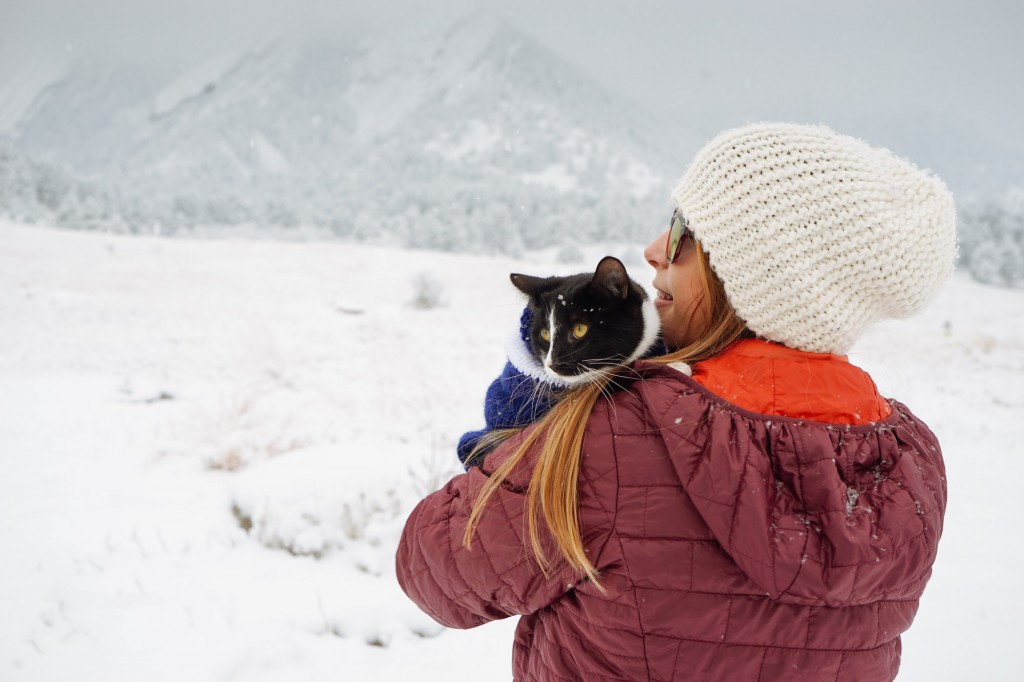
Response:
column 521, row 395
column 516, row 398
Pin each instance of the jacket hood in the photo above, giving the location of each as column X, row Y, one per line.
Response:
column 812, row 513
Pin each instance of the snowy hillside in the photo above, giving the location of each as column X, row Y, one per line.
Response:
column 209, row 449
column 19, row 92
column 449, row 135
column 456, row 135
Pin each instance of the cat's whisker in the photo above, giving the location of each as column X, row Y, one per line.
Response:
column 538, row 392
column 608, row 358
column 632, row 371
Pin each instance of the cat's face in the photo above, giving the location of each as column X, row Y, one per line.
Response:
column 584, row 324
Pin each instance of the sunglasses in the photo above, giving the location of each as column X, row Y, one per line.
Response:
column 678, row 235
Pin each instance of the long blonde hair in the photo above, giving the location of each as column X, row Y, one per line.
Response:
column 553, row 491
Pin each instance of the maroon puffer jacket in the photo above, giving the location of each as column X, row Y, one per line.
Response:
column 732, row 545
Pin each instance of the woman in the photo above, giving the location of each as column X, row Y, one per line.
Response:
column 770, row 517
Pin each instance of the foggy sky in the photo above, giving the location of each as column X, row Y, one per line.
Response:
column 731, row 61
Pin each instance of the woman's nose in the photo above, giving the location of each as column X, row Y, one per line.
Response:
column 655, row 252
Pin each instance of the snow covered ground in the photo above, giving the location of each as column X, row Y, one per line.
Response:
column 208, row 449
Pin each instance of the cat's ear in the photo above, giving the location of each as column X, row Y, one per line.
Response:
column 530, row 285
column 611, row 278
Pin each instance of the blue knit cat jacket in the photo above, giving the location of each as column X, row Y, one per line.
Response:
column 513, row 400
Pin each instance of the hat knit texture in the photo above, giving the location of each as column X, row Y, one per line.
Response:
column 816, row 235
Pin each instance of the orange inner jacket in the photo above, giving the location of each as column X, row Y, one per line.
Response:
column 767, row 378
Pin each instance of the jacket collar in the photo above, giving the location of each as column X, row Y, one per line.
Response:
column 768, row 378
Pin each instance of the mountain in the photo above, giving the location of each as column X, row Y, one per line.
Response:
column 469, row 136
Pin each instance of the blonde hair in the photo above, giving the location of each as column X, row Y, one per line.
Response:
column 553, row 491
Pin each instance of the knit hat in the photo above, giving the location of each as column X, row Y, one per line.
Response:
column 816, row 235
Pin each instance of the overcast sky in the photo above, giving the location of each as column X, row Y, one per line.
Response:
column 730, row 60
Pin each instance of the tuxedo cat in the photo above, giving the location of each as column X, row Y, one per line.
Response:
column 574, row 330
column 583, row 325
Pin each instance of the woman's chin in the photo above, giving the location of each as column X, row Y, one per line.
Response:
column 671, row 337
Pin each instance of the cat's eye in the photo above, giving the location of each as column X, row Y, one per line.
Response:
column 579, row 330
column 545, row 334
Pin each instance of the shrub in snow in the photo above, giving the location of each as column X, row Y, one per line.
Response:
column 992, row 241
column 53, row 186
column 428, row 292
column 315, row 501
column 238, row 430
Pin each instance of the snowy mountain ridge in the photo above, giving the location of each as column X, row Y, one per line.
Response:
column 475, row 129
column 458, row 136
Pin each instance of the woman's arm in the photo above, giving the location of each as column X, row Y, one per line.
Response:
column 499, row 576
column 513, row 400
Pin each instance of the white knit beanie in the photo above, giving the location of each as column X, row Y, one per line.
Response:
column 816, row 235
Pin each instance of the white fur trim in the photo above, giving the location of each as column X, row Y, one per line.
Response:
column 522, row 359
column 681, row 367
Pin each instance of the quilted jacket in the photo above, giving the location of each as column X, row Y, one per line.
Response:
column 731, row 544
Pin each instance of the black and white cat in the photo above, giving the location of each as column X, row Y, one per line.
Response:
column 583, row 325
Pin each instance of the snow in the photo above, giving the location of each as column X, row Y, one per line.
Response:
column 21, row 90
column 478, row 138
column 195, row 82
column 441, row 119
column 641, row 179
column 555, row 176
column 209, row 449
column 270, row 158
